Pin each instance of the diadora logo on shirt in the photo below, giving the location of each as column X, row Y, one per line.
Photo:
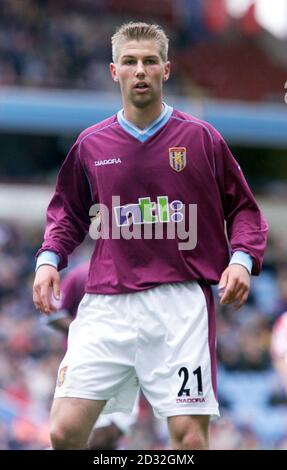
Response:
column 148, row 212
column 110, row 161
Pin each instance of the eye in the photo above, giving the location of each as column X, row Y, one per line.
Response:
column 129, row 61
column 150, row 61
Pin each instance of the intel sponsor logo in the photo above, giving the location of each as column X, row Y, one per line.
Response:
column 110, row 161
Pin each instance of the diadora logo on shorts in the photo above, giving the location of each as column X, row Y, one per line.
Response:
column 148, row 212
column 190, row 400
column 109, row 161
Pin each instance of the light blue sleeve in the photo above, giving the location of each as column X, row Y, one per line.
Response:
column 239, row 257
column 48, row 257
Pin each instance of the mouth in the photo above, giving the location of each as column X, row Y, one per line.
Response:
column 141, row 87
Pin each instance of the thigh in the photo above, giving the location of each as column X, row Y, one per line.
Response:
column 176, row 356
column 74, row 416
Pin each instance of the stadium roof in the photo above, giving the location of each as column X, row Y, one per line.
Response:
column 36, row 111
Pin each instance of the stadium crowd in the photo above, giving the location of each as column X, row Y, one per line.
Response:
column 60, row 44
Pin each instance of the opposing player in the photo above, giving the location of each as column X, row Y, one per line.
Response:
column 165, row 183
column 109, row 428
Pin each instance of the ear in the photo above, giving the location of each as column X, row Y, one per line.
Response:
column 166, row 71
column 113, row 71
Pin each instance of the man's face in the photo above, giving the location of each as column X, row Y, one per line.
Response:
column 140, row 72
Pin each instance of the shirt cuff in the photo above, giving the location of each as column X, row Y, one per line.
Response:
column 239, row 257
column 48, row 257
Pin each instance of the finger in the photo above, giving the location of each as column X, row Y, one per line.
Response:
column 242, row 301
column 36, row 298
column 46, row 304
column 37, row 304
column 241, row 297
column 56, row 289
column 223, row 280
column 229, row 293
column 222, row 284
column 38, row 307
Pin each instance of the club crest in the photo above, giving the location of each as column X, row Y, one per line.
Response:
column 177, row 158
column 61, row 376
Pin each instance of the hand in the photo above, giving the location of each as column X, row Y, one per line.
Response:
column 234, row 285
column 47, row 281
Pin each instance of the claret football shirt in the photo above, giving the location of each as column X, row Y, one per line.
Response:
column 163, row 196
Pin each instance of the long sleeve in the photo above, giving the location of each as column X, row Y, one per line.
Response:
column 246, row 226
column 68, row 212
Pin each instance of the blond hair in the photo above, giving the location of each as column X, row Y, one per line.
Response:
column 139, row 31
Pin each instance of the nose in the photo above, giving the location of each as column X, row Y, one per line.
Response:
column 140, row 71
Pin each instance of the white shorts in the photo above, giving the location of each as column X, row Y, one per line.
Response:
column 162, row 338
column 123, row 421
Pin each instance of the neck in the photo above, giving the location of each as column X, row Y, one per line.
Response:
column 143, row 117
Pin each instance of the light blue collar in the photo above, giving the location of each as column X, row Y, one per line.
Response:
column 143, row 134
